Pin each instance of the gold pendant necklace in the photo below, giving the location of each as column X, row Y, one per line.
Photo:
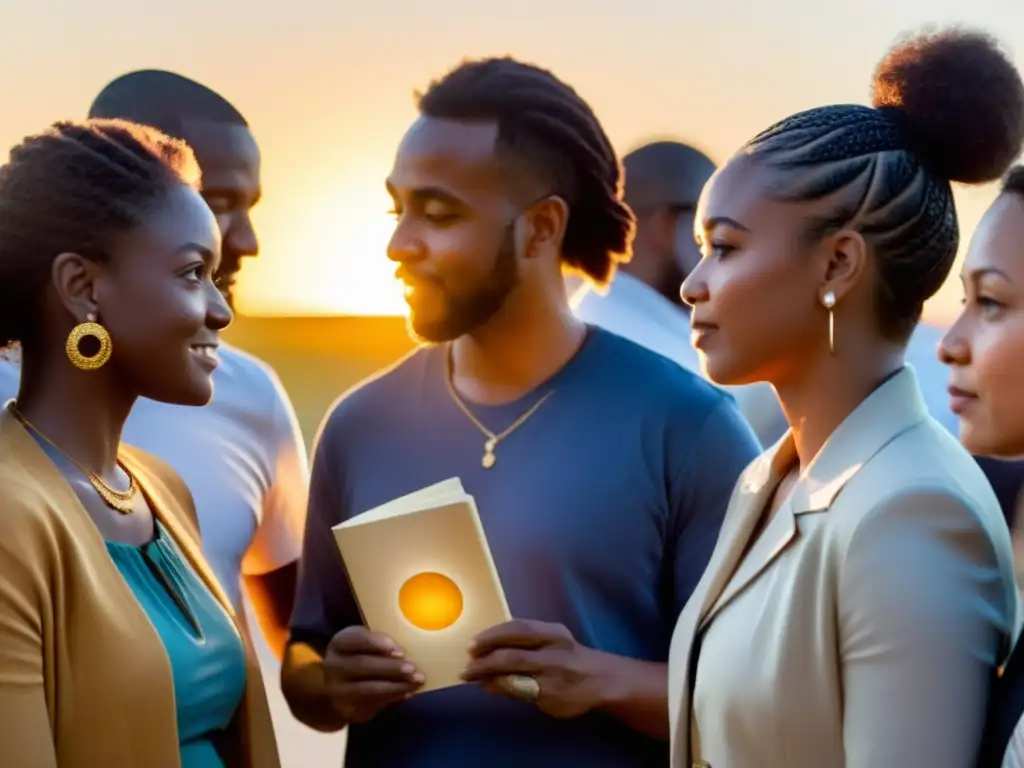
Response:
column 490, row 458
column 121, row 501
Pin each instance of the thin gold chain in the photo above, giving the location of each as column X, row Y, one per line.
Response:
column 491, row 444
column 118, row 500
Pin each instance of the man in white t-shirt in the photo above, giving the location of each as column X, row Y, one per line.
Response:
column 242, row 456
column 663, row 183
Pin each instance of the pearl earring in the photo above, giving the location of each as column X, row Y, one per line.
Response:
column 829, row 300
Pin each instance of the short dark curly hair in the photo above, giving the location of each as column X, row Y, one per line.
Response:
column 163, row 100
column 73, row 188
column 546, row 127
column 948, row 106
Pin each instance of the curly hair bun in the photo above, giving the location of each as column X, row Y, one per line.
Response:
column 959, row 99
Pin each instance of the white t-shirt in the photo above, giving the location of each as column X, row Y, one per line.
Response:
column 243, row 458
column 634, row 310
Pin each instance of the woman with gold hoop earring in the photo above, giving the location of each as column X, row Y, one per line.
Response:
column 117, row 645
column 860, row 597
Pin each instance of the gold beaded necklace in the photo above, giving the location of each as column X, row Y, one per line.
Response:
column 121, row 501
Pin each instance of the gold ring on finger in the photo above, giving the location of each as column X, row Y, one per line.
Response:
column 524, row 688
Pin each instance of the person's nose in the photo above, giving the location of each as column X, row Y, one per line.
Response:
column 218, row 312
column 405, row 246
column 694, row 289
column 241, row 235
column 954, row 347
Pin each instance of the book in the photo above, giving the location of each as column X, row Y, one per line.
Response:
column 422, row 573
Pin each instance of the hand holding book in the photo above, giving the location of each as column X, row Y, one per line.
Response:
column 422, row 574
column 365, row 671
column 571, row 679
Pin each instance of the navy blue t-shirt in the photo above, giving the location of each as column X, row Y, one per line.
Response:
column 601, row 513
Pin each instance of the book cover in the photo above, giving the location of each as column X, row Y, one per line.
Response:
column 422, row 573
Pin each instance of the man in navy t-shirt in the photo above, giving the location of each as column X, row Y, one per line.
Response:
column 601, row 470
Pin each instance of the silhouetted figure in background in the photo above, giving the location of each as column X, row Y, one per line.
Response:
column 663, row 184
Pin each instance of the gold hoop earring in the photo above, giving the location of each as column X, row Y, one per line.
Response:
column 90, row 329
column 829, row 300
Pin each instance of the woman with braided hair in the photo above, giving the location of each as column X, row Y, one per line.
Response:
column 861, row 593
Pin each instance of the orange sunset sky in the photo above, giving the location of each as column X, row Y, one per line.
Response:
column 328, row 88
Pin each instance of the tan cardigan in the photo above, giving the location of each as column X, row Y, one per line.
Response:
column 84, row 678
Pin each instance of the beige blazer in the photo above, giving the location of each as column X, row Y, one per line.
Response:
column 862, row 627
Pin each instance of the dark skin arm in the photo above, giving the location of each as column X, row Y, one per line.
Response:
column 361, row 673
column 272, row 595
column 641, row 701
column 304, row 685
column 573, row 679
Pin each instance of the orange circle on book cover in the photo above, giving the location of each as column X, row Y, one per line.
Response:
column 430, row 601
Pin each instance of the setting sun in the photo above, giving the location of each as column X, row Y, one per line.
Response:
column 324, row 251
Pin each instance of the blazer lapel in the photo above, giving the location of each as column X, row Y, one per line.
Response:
column 891, row 409
column 752, row 495
column 770, row 544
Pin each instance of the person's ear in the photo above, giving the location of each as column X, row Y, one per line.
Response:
column 74, row 281
column 544, row 225
column 844, row 259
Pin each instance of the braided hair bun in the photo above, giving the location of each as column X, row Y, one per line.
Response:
column 959, row 100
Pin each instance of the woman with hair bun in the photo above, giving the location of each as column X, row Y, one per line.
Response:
column 861, row 593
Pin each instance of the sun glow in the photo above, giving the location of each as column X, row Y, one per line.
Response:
column 324, row 246
column 324, row 253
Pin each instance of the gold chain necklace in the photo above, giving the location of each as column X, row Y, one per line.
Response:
column 490, row 445
column 122, row 501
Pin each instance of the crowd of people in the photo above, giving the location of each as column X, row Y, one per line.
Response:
column 714, row 449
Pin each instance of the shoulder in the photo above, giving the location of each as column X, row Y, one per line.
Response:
column 924, row 463
column 920, row 533
column 33, row 542
column 249, row 391
column 241, row 372
column 375, row 401
column 692, row 413
column 661, row 381
column 699, row 425
column 28, row 502
column 26, row 509
column 924, row 492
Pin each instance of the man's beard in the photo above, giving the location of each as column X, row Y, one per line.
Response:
column 465, row 314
